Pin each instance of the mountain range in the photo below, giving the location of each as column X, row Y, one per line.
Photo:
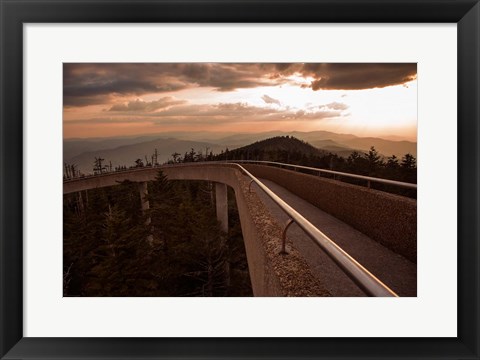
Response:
column 125, row 150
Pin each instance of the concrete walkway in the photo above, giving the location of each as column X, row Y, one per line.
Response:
column 394, row 270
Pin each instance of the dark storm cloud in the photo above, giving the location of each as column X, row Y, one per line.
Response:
column 90, row 84
column 86, row 84
column 358, row 76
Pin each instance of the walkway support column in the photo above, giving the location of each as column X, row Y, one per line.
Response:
column 222, row 205
column 142, row 188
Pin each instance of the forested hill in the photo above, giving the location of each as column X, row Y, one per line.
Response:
column 275, row 146
column 288, row 149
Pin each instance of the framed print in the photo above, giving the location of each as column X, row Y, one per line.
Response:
column 239, row 179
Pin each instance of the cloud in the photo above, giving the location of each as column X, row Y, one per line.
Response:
column 334, row 106
column 106, row 83
column 222, row 110
column 270, row 100
column 108, row 120
column 230, row 113
column 185, row 114
column 139, row 105
column 89, row 84
column 358, row 76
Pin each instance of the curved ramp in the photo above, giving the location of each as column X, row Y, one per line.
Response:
column 306, row 270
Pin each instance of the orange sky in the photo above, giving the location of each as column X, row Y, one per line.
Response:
column 102, row 100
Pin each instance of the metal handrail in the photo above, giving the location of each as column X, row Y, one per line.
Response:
column 362, row 277
column 339, row 173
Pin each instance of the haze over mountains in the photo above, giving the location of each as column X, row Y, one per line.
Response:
column 125, row 150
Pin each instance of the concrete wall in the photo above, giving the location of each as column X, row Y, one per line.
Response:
column 389, row 219
column 271, row 273
column 221, row 205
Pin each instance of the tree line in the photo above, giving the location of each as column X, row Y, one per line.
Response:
column 369, row 163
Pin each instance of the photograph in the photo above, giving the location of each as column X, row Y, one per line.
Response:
column 239, row 179
column 261, row 179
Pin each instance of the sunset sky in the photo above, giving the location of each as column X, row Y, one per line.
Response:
column 102, row 100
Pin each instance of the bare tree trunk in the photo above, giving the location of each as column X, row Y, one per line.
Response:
column 80, row 202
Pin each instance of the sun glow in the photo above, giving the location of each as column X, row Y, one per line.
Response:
column 300, row 80
column 289, row 104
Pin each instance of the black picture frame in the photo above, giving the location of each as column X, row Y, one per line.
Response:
column 14, row 13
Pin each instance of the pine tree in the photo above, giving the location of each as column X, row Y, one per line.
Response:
column 374, row 161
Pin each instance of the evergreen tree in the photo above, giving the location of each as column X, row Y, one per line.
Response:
column 409, row 168
column 374, row 161
column 409, row 162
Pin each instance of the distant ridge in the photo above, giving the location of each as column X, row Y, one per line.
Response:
column 124, row 150
column 274, row 145
column 126, row 155
column 341, row 144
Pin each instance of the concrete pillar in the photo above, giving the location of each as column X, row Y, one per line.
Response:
column 221, row 200
column 142, row 188
column 222, row 205
column 80, row 202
